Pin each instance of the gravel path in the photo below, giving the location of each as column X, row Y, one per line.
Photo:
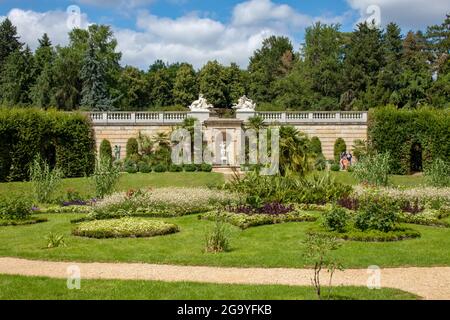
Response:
column 429, row 283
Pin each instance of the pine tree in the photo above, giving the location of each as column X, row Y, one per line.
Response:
column 185, row 89
column 41, row 92
column 94, row 93
column 9, row 40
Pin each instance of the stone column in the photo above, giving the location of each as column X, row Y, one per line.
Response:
column 244, row 115
column 202, row 116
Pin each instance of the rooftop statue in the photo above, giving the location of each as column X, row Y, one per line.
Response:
column 201, row 104
column 245, row 104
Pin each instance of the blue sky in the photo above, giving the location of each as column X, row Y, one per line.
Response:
column 199, row 30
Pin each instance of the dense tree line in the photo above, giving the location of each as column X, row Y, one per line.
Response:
column 333, row 70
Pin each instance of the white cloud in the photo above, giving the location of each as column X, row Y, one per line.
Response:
column 409, row 14
column 116, row 3
column 189, row 38
column 32, row 25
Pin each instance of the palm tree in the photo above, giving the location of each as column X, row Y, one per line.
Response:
column 294, row 151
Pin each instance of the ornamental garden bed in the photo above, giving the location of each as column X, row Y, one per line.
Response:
column 245, row 221
column 124, row 228
column 29, row 221
column 353, row 234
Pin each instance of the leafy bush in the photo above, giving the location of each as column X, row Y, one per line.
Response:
column 162, row 202
column 105, row 177
column 190, row 168
column 217, row 240
column 377, row 213
column 339, row 148
column 373, row 169
column 245, row 221
column 130, row 166
column 206, row 167
column 336, row 219
column 160, row 168
column 106, row 150
column 316, row 146
column 132, row 147
column 175, row 168
column 55, row 240
column 144, row 167
column 396, row 131
column 15, row 208
column 44, row 180
column 335, row 167
column 124, row 228
column 65, row 140
column 438, row 173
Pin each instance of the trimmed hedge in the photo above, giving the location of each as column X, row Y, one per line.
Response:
column 397, row 130
column 32, row 220
column 64, row 140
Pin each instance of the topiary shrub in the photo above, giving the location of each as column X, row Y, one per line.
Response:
column 339, row 148
column 144, row 167
column 175, row 168
column 132, row 148
column 106, row 150
column 160, row 168
column 316, row 146
column 206, row 167
column 190, row 168
column 336, row 219
column 130, row 166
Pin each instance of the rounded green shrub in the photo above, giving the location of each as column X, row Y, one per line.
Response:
column 130, row 166
column 144, row 167
column 15, row 208
column 190, row 168
column 206, row 167
column 321, row 163
column 175, row 168
column 377, row 212
column 106, row 150
column 336, row 219
column 124, row 228
column 335, row 167
column 316, row 146
column 132, row 148
column 160, row 168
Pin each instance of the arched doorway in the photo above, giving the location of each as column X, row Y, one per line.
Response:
column 416, row 157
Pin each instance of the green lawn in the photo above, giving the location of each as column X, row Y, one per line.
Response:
column 264, row 246
column 127, row 181
column 30, row 288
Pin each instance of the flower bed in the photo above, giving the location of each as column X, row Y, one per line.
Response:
column 245, row 221
column 65, row 209
column 353, row 234
column 124, row 228
column 427, row 218
column 164, row 202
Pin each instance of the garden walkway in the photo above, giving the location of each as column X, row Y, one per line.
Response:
column 429, row 283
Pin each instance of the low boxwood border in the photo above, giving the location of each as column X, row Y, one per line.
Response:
column 400, row 233
column 7, row 223
column 124, row 228
column 245, row 221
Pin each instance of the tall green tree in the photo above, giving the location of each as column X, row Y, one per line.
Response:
column 134, row 89
column 185, row 89
column 213, row 84
column 9, row 40
column 160, row 83
column 17, row 78
column 235, row 79
column 273, row 61
column 364, row 58
column 42, row 90
column 438, row 37
column 95, row 95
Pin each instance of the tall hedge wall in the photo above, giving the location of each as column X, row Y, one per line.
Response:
column 396, row 131
column 65, row 140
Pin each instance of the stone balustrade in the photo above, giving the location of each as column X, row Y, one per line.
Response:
column 159, row 118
